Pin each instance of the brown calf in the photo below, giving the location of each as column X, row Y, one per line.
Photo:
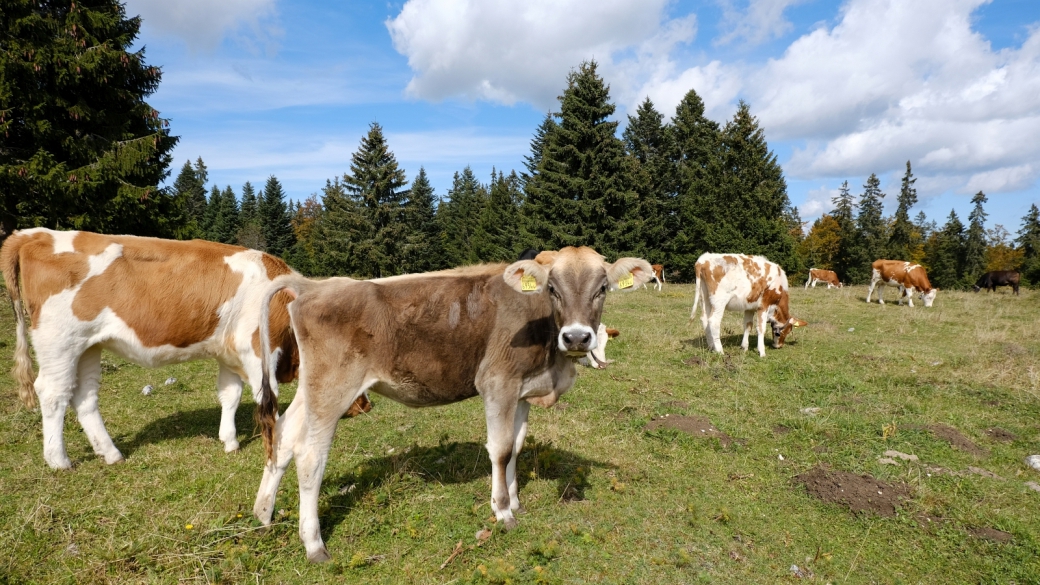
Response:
column 909, row 278
column 819, row 275
column 509, row 334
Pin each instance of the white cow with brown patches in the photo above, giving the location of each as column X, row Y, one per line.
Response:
column 908, row 278
column 738, row 282
column 509, row 334
column 151, row 301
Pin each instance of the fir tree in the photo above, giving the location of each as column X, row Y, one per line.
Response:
column 274, row 218
column 844, row 215
column 459, row 219
column 871, row 231
column 225, row 220
column 945, row 254
column 422, row 251
column 250, row 234
column 903, row 239
column 337, row 231
column 209, row 215
column 975, row 242
column 1028, row 241
column 497, row 237
column 532, row 160
column 581, row 194
column 305, row 216
column 81, row 148
column 248, row 210
column 188, row 189
column 696, row 157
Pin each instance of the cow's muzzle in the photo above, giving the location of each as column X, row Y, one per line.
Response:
column 577, row 340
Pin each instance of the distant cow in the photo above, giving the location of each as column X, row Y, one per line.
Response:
column 751, row 284
column 991, row 280
column 509, row 334
column 909, row 278
column 657, row 277
column 528, row 254
column 819, row 275
column 153, row 302
column 597, row 358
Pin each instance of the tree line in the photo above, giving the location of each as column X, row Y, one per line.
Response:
column 82, row 149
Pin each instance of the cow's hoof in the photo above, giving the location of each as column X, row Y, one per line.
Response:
column 509, row 523
column 319, row 555
column 59, row 463
column 231, row 446
column 114, row 458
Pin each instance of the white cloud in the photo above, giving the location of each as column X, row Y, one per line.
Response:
column 203, row 24
column 817, row 202
column 762, row 21
column 514, row 50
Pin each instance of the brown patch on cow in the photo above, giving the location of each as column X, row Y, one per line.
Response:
column 956, row 439
column 987, row 533
column 279, row 325
column 999, row 434
column 546, row 257
column 858, row 493
column 90, row 243
column 44, row 273
column 697, row 426
column 167, row 292
column 758, row 287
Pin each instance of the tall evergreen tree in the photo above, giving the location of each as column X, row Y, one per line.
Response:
column 188, row 189
column 647, row 141
column 250, row 234
column 903, row 239
column 1028, row 241
column 81, row 148
column 423, row 251
column 871, row 231
column 338, row 232
column 975, row 242
column 497, row 238
column 459, row 218
column 375, row 183
column 945, row 254
column 845, row 258
column 209, row 214
column 581, row 194
column 531, row 161
column 696, row 157
column 248, row 209
column 305, row 216
column 275, row 220
column 225, row 224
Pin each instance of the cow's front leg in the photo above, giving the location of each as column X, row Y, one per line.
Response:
column 520, row 433
column 909, row 297
column 761, row 334
column 229, row 393
column 749, row 318
column 500, row 413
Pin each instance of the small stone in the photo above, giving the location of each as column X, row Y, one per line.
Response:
column 903, row 456
column 1033, row 461
column 1033, row 486
column 170, row 380
column 147, row 390
column 811, row 411
column 781, row 457
column 887, row 461
column 851, row 329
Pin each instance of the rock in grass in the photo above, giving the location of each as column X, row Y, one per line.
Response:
column 147, row 390
column 1033, row 461
column 170, row 380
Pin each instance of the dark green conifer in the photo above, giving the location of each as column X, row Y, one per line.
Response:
column 188, row 189
column 871, row 231
column 648, row 143
column 274, row 218
column 975, row 242
column 459, row 219
column 1028, row 241
column 845, row 259
column 903, row 238
column 422, row 251
column 944, row 254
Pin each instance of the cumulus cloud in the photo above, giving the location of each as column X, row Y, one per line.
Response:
column 203, row 24
column 817, row 202
column 761, row 21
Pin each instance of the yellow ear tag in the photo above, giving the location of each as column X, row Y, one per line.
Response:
column 626, row 281
column 528, row 283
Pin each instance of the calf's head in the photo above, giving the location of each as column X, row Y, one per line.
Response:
column 576, row 281
column 780, row 318
column 929, row 297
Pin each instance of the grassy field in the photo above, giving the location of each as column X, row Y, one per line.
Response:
column 607, row 500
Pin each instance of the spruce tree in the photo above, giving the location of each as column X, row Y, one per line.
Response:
column 305, row 216
column 845, row 259
column 81, row 148
column 1028, row 241
column 375, row 183
column 341, row 234
column 209, row 215
column 903, row 239
column 422, row 250
column 648, row 143
column 225, row 220
column 532, row 160
column 581, row 194
column 250, row 234
column 274, row 218
column 497, row 237
column 871, row 231
column 975, row 242
column 945, row 254
column 697, row 161
column 188, row 189
column 459, row 219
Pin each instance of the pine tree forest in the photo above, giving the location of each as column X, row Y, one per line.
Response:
column 668, row 186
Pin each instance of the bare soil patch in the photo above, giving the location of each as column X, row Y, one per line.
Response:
column 781, row 430
column 957, row 440
column 676, row 404
column 697, row 426
column 991, row 534
column 693, row 361
column 859, row 493
column 999, row 434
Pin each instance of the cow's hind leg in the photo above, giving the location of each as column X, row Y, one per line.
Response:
column 713, row 331
column 54, row 386
column 229, row 393
column 312, row 452
column 520, row 433
column 286, row 433
column 85, row 401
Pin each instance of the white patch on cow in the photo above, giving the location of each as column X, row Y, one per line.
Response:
column 248, row 263
column 576, row 330
column 453, row 314
column 473, row 306
column 100, row 262
column 63, row 241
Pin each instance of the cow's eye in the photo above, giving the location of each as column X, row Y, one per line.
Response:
column 552, row 290
column 603, row 289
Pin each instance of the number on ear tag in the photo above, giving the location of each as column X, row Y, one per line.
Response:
column 626, row 281
column 528, row 283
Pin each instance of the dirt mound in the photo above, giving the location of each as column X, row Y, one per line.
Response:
column 693, row 361
column 857, row 492
column 957, row 440
column 991, row 534
column 698, row 426
column 999, row 434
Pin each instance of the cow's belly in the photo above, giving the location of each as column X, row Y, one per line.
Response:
column 415, row 395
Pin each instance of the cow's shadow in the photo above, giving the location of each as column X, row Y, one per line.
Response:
column 201, row 422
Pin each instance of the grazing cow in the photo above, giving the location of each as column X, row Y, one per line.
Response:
column 657, row 277
column 908, row 277
column 508, row 334
column 151, row 301
column 751, row 284
column 991, row 280
column 597, row 358
column 819, row 275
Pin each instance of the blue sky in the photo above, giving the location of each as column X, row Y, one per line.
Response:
column 261, row 87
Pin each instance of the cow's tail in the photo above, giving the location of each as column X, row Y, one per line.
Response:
column 23, row 370
column 267, row 403
column 696, row 296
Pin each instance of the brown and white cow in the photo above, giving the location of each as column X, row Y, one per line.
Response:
column 909, row 278
column 738, row 282
column 597, row 358
column 657, row 277
column 509, row 334
column 151, row 301
column 817, row 275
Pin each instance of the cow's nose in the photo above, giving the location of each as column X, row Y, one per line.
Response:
column 581, row 338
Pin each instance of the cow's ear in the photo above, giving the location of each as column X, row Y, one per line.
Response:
column 546, row 257
column 526, row 276
column 628, row 273
column 798, row 322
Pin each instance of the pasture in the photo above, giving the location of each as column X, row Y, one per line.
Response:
column 610, row 497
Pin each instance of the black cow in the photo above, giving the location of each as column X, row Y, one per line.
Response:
column 991, row 280
column 528, row 254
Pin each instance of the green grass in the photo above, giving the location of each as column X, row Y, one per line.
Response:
column 606, row 500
